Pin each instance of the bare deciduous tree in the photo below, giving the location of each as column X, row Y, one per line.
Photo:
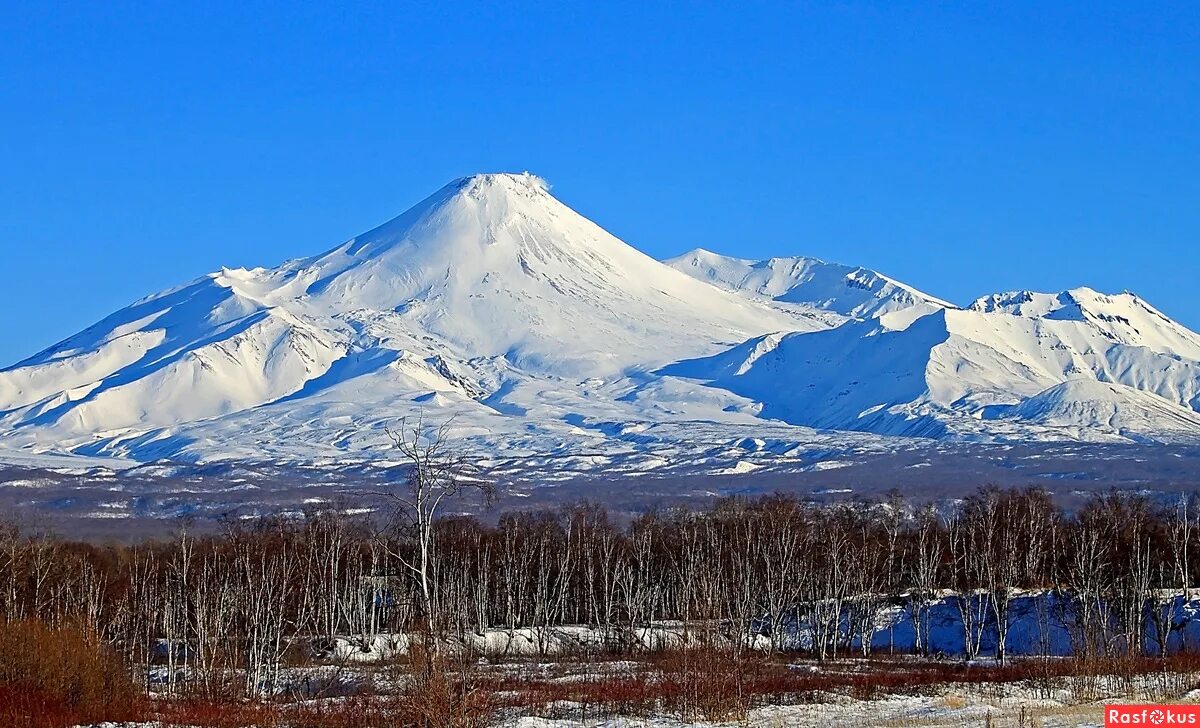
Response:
column 435, row 473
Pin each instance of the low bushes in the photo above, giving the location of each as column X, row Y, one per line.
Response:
column 54, row 676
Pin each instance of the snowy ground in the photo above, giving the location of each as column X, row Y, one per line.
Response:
column 950, row 710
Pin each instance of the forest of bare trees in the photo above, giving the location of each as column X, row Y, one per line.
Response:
column 244, row 595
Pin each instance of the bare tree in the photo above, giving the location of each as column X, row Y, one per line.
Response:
column 435, row 474
column 1184, row 525
column 968, row 574
column 925, row 576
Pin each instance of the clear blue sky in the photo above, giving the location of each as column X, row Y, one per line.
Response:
column 963, row 148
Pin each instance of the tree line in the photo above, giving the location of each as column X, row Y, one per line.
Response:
column 242, row 596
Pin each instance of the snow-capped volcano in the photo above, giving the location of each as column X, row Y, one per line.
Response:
column 487, row 284
column 494, row 305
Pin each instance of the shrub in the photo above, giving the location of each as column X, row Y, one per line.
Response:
column 705, row 683
column 54, row 676
column 440, row 693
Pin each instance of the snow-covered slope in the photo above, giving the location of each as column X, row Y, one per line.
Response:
column 493, row 305
column 812, row 283
column 1091, row 409
column 488, row 298
column 495, row 266
column 993, row 370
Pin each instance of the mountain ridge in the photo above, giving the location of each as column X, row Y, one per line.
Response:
column 493, row 305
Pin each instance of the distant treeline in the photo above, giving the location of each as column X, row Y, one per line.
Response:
column 242, row 597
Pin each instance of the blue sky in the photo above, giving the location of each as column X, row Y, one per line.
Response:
column 963, row 148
